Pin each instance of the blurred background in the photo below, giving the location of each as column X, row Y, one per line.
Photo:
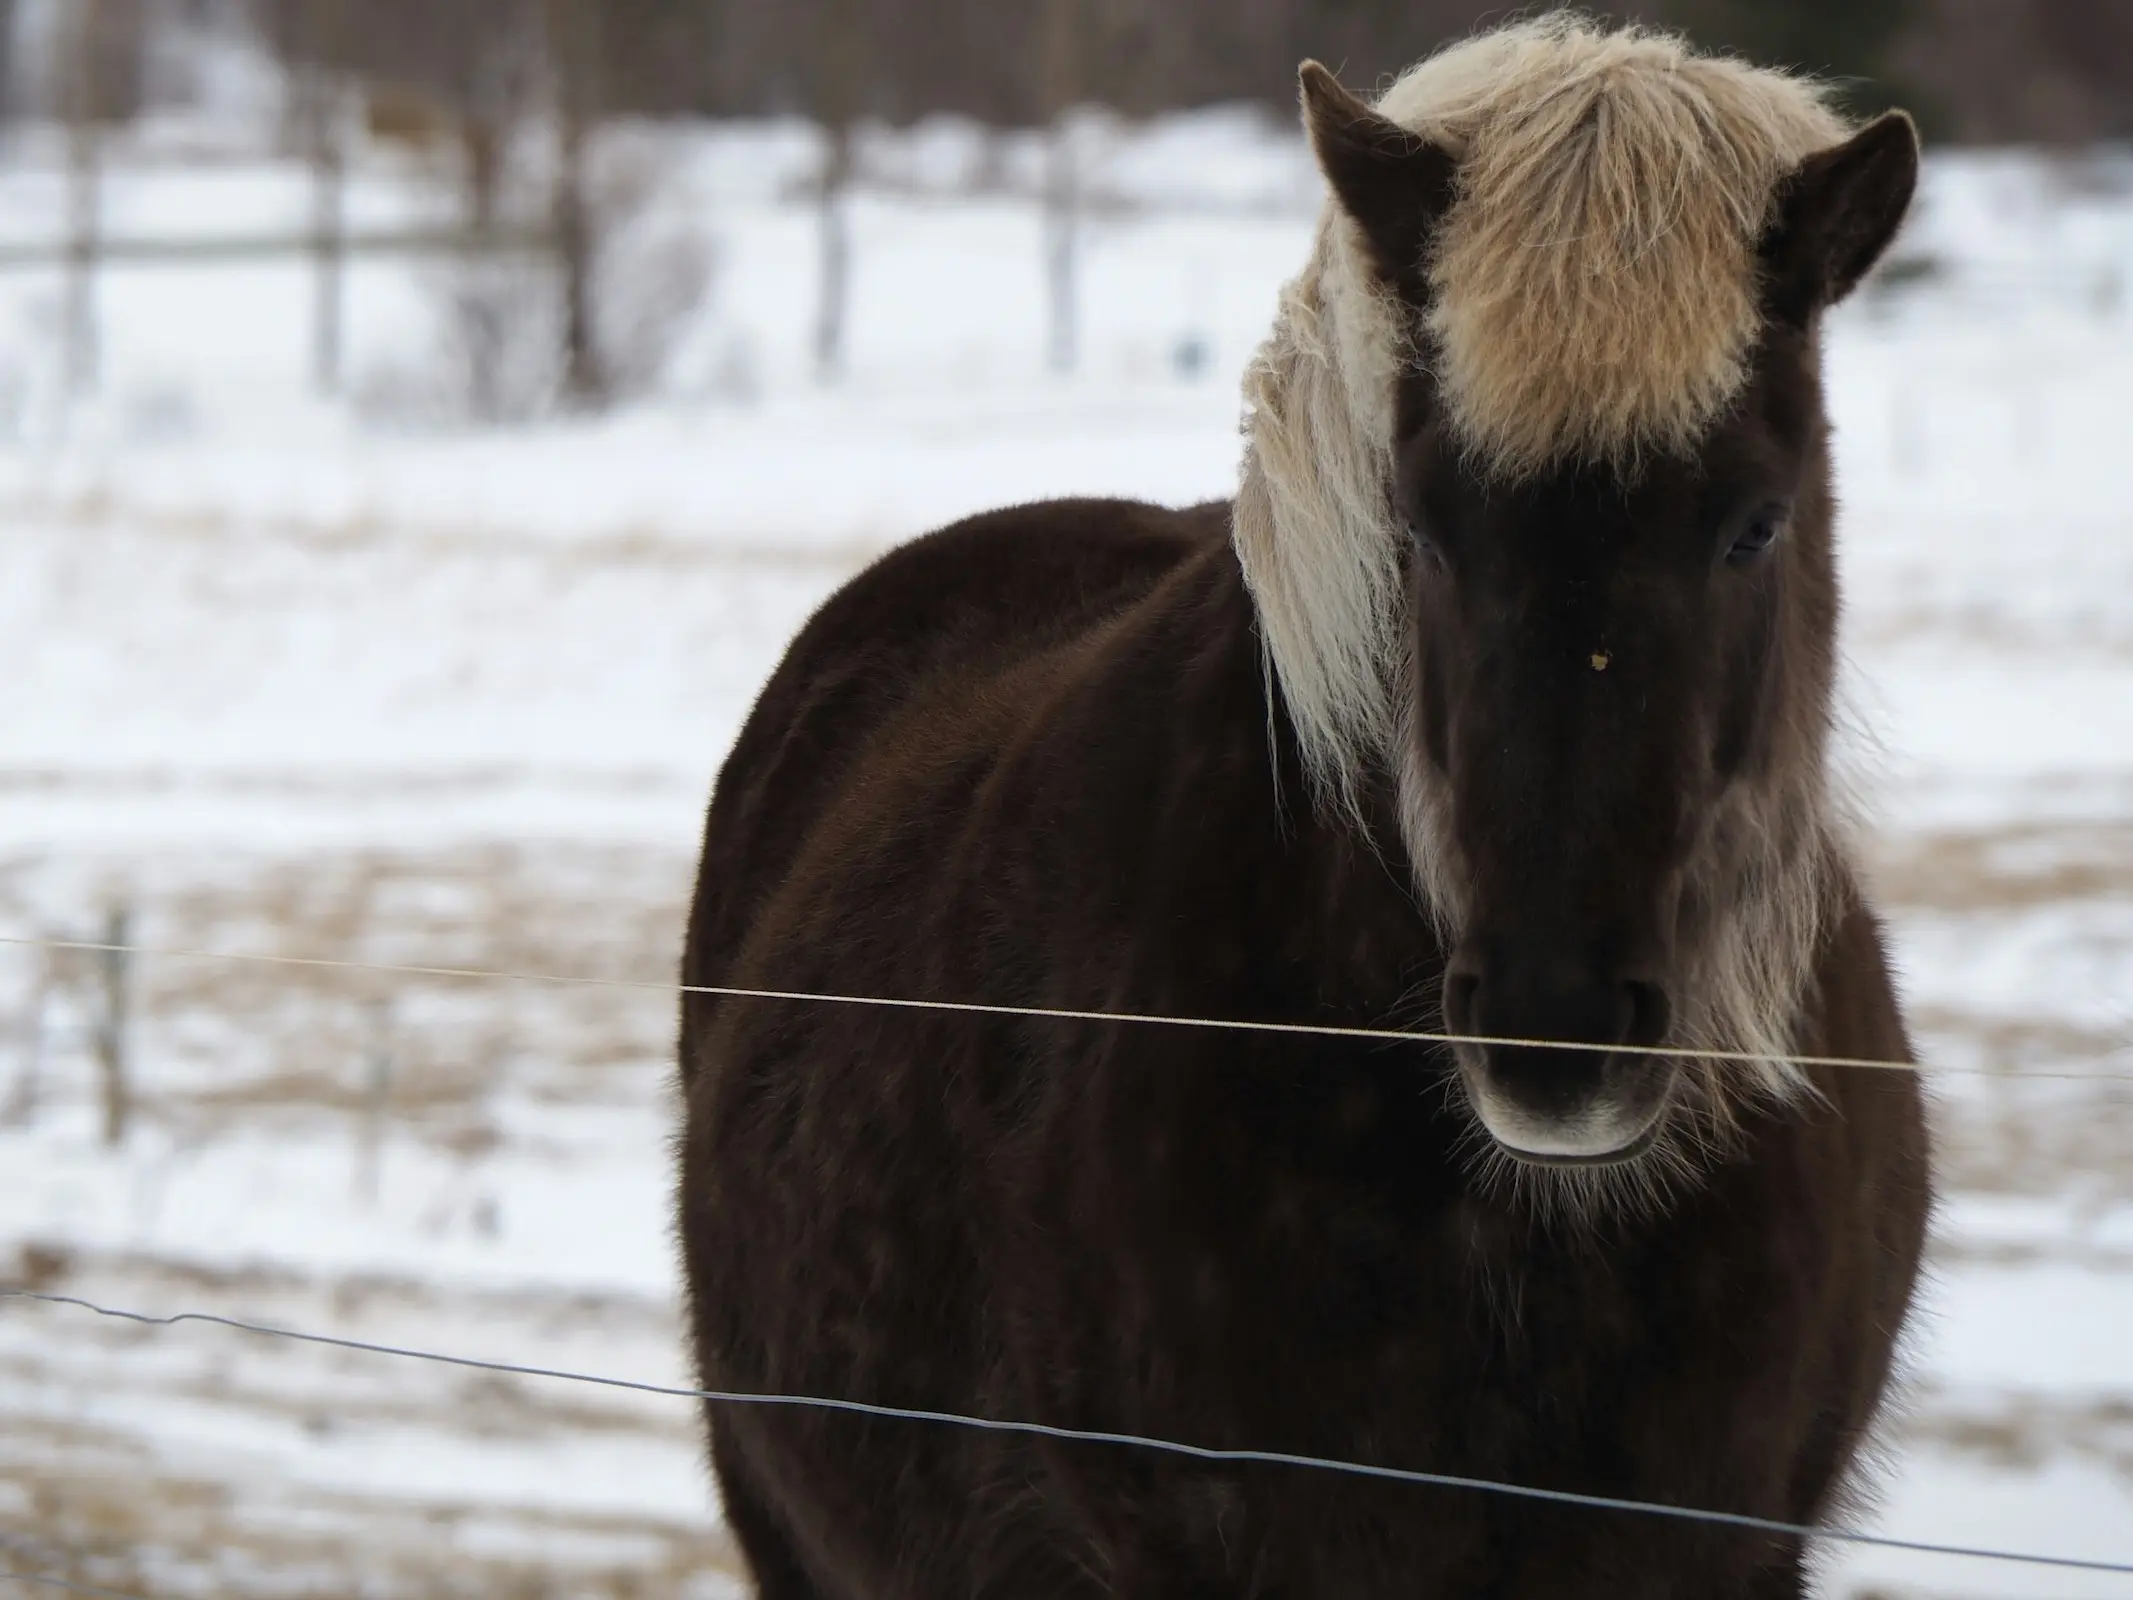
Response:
column 423, row 423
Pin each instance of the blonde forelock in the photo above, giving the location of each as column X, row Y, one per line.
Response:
column 1594, row 285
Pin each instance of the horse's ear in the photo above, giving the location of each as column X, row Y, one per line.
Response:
column 1394, row 183
column 1836, row 213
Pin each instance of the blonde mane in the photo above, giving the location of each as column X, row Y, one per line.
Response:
column 1593, row 292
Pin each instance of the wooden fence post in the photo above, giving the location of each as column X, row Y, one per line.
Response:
column 326, row 119
column 112, row 1033
column 10, row 11
column 1061, row 253
column 84, row 204
column 1064, row 75
column 834, row 241
column 574, row 48
column 377, row 1101
column 29, row 1072
column 838, row 69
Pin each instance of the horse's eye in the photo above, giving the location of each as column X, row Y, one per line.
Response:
column 1761, row 531
column 1423, row 543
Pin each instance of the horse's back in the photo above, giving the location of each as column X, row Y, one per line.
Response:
column 936, row 618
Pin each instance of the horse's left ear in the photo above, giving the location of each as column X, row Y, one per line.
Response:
column 1836, row 213
column 1394, row 183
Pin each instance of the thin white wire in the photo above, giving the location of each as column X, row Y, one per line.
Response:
column 1048, row 1013
column 1279, row 1458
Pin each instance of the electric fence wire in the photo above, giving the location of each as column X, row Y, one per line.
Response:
column 1098, row 1436
column 1045, row 1013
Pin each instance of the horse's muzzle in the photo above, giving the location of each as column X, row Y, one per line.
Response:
column 1553, row 1085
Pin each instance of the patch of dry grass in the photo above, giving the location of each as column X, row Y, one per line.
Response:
column 221, row 1042
column 86, row 1498
column 89, row 1521
column 2007, row 869
column 2023, row 1432
column 228, row 1047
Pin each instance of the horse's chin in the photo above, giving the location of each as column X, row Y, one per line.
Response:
column 1604, row 1133
column 1638, row 1146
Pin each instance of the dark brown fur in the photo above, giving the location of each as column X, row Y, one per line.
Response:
column 1033, row 760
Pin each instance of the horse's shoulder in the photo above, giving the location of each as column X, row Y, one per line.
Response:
column 892, row 665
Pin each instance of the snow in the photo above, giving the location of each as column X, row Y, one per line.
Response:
column 368, row 679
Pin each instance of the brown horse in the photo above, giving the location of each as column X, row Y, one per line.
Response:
column 1500, row 694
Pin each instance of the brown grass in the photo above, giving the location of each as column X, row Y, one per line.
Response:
column 228, row 1048
column 89, row 1522
column 2011, row 868
column 92, row 1501
column 223, row 1043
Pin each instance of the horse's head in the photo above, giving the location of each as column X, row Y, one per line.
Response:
column 1606, row 598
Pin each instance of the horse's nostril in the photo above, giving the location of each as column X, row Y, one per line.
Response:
column 1540, row 994
column 1650, row 1014
column 1460, row 990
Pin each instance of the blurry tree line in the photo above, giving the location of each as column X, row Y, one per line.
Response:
column 1983, row 70
column 1978, row 70
column 476, row 82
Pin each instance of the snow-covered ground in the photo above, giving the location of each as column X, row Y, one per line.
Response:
column 362, row 681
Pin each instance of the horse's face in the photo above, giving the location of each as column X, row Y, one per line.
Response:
column 1602, row 671
column 1617, row 675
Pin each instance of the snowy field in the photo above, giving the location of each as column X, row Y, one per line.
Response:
column 362, row 681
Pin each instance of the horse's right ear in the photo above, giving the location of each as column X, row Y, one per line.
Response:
column 1836, row 213
column 1395, row 183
